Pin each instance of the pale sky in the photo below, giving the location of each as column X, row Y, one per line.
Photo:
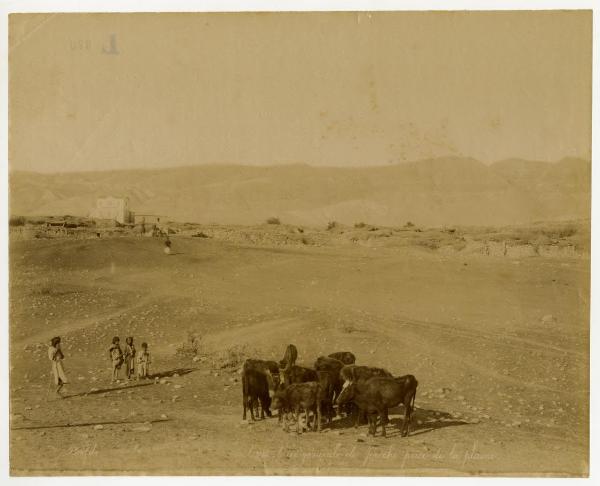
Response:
column 326, row 89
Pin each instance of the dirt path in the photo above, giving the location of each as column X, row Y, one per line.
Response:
column 500, row 392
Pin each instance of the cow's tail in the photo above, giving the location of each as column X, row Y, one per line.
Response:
column 414, row 395
column 270, row 383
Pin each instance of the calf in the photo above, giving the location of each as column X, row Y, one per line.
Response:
column 297, row 374
column 345, row 357
column 378, row 394
column 297, row 397
column 255, row 388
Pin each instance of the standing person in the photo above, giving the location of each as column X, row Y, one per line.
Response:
column 56, row 355
column 129, row 357
column 143, row 362
column 116, row 356
column 167, row 245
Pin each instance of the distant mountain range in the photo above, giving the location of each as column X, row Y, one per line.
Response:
column 432, row 192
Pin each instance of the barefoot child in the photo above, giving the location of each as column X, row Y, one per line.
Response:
column 116, row 356
column 129, row 357
column 143, row 362
column 56, row 355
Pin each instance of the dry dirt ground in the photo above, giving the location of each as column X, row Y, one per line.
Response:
column 499, row 346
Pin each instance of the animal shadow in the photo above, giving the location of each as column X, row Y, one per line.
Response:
column 422, row 421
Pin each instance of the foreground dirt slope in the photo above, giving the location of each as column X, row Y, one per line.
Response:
column 499, row 347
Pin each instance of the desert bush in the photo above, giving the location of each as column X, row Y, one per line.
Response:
column 331, row 225
column 191, row 346
column 560, row 232
column 273, row 220
column 360, row 225
column 430, row 244
column 409, row 224
column 45, row 291
column 200, row 234
column 233, row 357
column 17, row 221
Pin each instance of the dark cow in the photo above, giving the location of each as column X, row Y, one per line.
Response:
column 333, row 366
column 289, row 360
column 255, row 389
column 326, row 394
column 361, row 373
column 300, row 374
column 378, row 394
column 297, row 397
column 270, row 371
column 269, row 368
column 345, row 357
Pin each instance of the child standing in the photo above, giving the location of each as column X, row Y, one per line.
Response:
column 129, row 357
column 116, row 356
column 143, row 362
column 56, row 355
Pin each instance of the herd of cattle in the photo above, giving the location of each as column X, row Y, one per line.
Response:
column 335, row 381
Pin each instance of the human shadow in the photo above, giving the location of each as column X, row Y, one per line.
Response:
column 107, row 390
column 89, row 424
column 129, row 385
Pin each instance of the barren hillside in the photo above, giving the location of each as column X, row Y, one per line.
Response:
column 428, row 192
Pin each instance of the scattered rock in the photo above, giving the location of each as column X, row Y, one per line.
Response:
column 549, row 319
column 98, row 427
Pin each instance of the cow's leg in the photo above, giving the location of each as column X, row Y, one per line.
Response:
column 407, row 415
column 252, row 405
column 383, row 414
column 297, row 411
column 318, row 417
column 372, row 420
column 262, row 408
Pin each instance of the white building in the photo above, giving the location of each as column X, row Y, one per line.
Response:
column 112, row 208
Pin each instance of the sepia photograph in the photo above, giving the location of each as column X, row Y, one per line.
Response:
column 299, row 243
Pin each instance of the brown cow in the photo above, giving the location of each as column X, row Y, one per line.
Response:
column 345, row 357
column 377, row 395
